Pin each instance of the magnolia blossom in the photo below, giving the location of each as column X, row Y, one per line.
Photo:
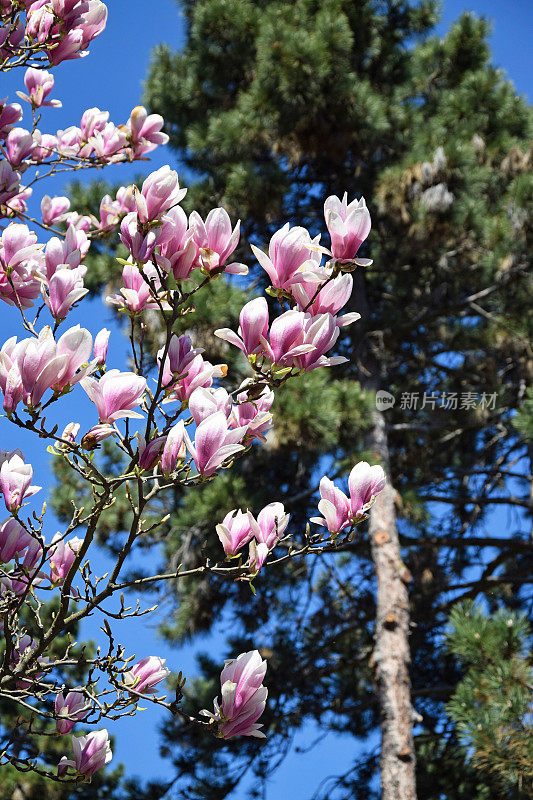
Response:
column 101, row 343
column 137, row 293
column 243, row 697
column 253, row 414
column 69, row 250
column 116, row 394
column 15, row 482
column 338, row 510
column 174, row 449
column 292, row 255
column 214, row 442
column 39, row 84
column 20, row 144
column 91, row 753
column 329, row 300
column 348, row 225
column 21, row 262
column 206, row 401
column 160, row 191
column 141, row 245
column 177, row 249
column 30, row 367
column 65, row 288
column 62, row 556
column 296, row 339
column 54, row 209
column 216, row 241
column 10, row 114
column 149, row 452
column 69, row 710
column 199, row 373
column 235, row 531
column 9, row 181
column 144, row 676
column 145, row 131
column 13, row 539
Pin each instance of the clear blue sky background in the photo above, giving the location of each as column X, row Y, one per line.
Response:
column 111, row 78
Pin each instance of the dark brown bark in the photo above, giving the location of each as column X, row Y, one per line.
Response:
column 391, row 657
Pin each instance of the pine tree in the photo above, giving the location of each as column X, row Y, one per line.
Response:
column 491, row 705
column 272, row 106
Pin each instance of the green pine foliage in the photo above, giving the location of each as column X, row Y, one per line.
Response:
column 491, row 705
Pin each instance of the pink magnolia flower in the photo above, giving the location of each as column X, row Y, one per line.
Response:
column 179, row 357
column 54, row 209
column 243, row 697
column 101, row 343
column 292, row 255
column 216, row 241
column 39, row 84
column 205, row 401
column 348, row 225
column 235, row 531
column 110, row 213
column 145, row 130
column 329, row 300
column 214, row 443
column 62, row 556
column 70, row 432
column 137, row 294
column 108, row 143
column 65, row 288
column 15, row 482
column 93, row 120
column 140, row 245
column 338, row 510
column 253, row 328
column 321, row 332
column 10, row 114
column 32, row 366
column 69, row 250
column 253, row 414
column 160, row 191
column 69, row 710
column 258, row 552
column 91, row 753
column 13, row 539
column 9, row 181
column 271, row 524
column 21, row 262
column 174, row 450
column 144, row 676
column 116, row 394
column 46, row 147
column 149, row 452
column 177, row 249
column 125, row 199
column 20, row 144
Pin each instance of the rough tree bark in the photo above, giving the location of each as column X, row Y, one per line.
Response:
column 391, row 656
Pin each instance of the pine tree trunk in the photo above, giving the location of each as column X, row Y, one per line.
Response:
column 391, row 658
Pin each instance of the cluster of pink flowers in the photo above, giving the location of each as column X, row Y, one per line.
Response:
column 243, row 697
column 61, row 29
column 32, row 366
column 338, row 510
column 95, row 140
column 238, row 529
column 295, row 339
column 158, row 230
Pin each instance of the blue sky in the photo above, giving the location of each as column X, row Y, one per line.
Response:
column 111, row 78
